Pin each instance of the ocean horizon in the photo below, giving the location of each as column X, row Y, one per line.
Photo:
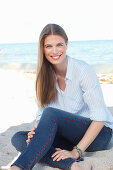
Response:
column 23, row 56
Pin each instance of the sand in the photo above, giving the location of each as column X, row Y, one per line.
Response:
column 18, row 108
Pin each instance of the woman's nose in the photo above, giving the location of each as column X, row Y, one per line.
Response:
column 55, row 50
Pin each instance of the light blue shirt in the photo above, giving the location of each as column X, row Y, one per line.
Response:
column 82, row 95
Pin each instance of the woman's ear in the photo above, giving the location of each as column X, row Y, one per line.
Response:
column 66, row 44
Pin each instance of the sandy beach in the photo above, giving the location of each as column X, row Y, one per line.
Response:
column 18, row 108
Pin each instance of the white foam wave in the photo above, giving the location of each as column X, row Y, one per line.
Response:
column 18, row 67
column 104, row 69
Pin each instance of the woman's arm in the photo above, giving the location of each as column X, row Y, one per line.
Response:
column 90, row 135
column 93, row 97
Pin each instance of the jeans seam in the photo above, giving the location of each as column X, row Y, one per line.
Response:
column 44, row 146
column 51, row 135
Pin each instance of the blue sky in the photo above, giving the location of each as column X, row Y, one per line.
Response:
column 22, row 20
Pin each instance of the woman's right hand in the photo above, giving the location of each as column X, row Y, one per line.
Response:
column 30, row 135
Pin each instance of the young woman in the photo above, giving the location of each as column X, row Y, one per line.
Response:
column 72, row 116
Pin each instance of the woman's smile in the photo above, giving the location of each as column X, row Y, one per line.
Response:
column 56, row 57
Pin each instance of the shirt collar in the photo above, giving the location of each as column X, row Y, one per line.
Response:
column 68, row 73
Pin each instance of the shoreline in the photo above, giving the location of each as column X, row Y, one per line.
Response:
column 105, row 68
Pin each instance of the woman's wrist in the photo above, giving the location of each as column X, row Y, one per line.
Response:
column 75, row 152
column 78, row 151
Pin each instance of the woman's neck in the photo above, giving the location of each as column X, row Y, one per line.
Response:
column 61, row 69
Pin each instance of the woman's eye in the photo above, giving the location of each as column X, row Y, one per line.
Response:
column 48, row 46
column 60, row 45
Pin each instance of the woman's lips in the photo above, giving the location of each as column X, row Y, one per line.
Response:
column 55, row 57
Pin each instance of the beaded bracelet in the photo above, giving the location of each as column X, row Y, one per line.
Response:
column 79, row 151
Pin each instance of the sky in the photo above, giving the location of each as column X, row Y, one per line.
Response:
column 23, row 20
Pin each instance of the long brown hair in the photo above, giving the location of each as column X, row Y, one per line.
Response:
column 45, row 77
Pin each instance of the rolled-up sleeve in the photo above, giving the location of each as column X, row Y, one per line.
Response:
column 92, row 94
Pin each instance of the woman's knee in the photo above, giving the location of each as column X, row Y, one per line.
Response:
column 19, row 140
column 50, row 112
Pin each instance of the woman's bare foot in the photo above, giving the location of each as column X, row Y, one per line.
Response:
column 83, row 165
column 14, row 168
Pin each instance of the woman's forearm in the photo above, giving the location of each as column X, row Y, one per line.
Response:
column 90, row 134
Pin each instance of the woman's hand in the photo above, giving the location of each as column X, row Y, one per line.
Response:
column 62, row 154
column 30, row 135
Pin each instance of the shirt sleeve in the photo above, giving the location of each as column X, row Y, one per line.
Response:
column 92, row 94
column 39, row 113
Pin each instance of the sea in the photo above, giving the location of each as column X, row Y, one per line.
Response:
column 23, row 56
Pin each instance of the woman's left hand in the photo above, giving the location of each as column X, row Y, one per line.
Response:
column 62, row 154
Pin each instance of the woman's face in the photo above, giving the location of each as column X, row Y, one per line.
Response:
column 55, row 49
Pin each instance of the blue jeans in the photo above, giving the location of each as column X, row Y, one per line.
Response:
column 56, row 128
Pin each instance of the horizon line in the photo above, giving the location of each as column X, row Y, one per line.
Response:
column 29, row 42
